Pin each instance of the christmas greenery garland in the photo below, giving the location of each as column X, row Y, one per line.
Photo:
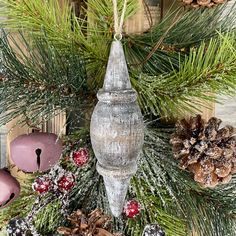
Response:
column 168, row 195
column 62, row 67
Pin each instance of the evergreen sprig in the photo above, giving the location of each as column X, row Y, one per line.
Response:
column 162, row 56
column 39, row 80
column 208, row 70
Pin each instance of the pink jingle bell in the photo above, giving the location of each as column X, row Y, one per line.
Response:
column 36, row 151
column 10, row 188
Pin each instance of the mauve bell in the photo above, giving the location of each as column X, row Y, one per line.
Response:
column 9, row 188
column 117, row 130
column 36, row 151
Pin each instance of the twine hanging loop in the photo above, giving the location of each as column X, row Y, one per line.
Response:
column 118, row 22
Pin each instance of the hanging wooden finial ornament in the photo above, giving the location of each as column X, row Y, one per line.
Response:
column 117, row 129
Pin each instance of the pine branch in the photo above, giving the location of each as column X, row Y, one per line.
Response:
column 40, row 80
column 37, row 15
column 190, row 27
column 63, row 27
column 207, row 69
column 166, row 86
column 158, row 50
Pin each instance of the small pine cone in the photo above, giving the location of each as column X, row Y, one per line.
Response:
column 211, row 180
column 96, row 223
column 218, row 1
column 214, row 152
column 233, row 170
column 223, row 170
column 64, row 231
column 203, row 2
column 187, row 2
column 205, row 150
column 187, row 147
column 226, row 179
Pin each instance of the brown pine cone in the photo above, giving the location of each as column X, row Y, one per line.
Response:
column 205, row 149
column 187, row 1
column 218, row 1
column 95, row 224
column 211, row 4
column 233, row 170
column 64, row 231
column 202, row 3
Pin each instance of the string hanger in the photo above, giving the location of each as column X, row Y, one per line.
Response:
column 118, row 22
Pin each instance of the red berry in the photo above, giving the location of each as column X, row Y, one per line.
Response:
column 81, row 157
column 42, row 185
column 66, row 182
column 132, row 209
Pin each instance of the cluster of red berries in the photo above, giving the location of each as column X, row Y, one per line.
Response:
column 132, row 209
column 66, row 182
column 44, row 184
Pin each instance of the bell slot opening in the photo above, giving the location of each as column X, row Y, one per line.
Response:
column 10, row 198
column 38, row 152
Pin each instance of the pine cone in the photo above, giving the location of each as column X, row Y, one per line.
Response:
column 202, row 3
column 95, row 224
column 206, row 150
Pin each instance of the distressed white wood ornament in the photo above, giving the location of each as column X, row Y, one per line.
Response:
column 117, row 130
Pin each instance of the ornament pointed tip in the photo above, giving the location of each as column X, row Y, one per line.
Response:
column 116, row 213
column 116, row 189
